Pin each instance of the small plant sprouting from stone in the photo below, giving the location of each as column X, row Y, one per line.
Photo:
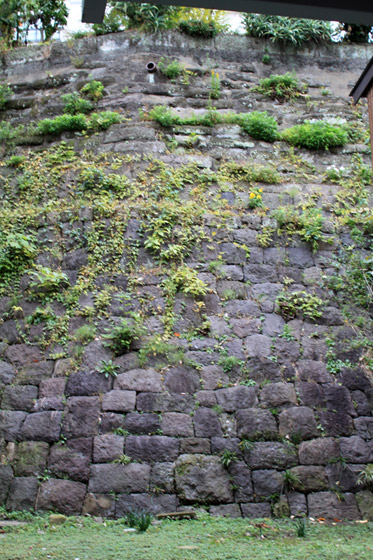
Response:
column 123, row 460
column 228, row 458
column 287, row 333
column 108, row 367
column 255, row 198
column 139, row 520
column 365, row 477
column 301, row 527
column 290, row 480
column 215, row 85
column 246, row 445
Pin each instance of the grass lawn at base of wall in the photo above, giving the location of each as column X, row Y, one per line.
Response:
column 204, row 539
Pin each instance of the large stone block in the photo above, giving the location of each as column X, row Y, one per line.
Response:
column 278, row 394
column 226, row 510
column 31, row 458
column 256, row 511
column 152, row 448
column 267, row 482
column 7, row 373
column 42, row 426
column 309, row 478
column 65, row 461
column 255, row 423
column 355, row 449
column 213, row 377
column 99, row 505
column 344, row 476
column 63, row 496
column 19, row 397
column 202, row 478
column 311, row 370
column 11, row 424
column 81, row 417
column 139, row 380
column 22, row 354
column 164, row 402
column 146, row 423
column 267, row 455
column 153, row 503
column 81, row 383
column 94, row 353
column 54, row 387
column 6, row 477
column 311, row 394
column 119, row 401
column 364, row 427
column 105, row 478
column 298, row 422
column 258, row 346
column 107, row 448
column 22, row 493
column 177, row 424
column 237, row 398
column 162, row 478
column 206, row 423
column 241, row 478
column 33, row 374
column 336, row 424
column 195, row 445
column 338, row 399
column 318, row 451
column 364, row 501
column 329, row 505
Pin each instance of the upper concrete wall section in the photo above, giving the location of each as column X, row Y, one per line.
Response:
column 236, row 48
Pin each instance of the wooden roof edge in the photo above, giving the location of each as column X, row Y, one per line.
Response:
column 364, row 82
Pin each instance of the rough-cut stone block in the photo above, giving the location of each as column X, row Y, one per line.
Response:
column 361, row 403
column 318, row 451
column 206, row 423
column 225, row 510
column 19, row 397
column 273, row 324
column 258, row 346
column 162, row 477
column 63, row 496
column 338, row 399
column 213, row 377
column 195, row 445
column 344, row 477
column 269, row 454
column 245, row 327
column 81, row 417
column 11, row 424
column 239, row 308
column 278, row 394
column 152, row 448
column 48, row 403
column 21, row 354
column 310, row 370
column 254, row 423
column 177, row 424
column 7, row 373
column 221, row 444
column 267, row 482
column 119, row 401
column 364, row 501
column 33, row 374
column 42, row 426
column 364, row 427
column 85, row 383
column 22, row 493
column 94, row 353
column 236, row 398
column 147, row 423
column 110, row 421
column 241, row 478
column 298, row 421
column 54, row 387
column 355, row 379
column 355, row 450
column 300, row 256
column 309, row 478
column 206, row 398
column 311, row 394
column 336, row 423
column 6, row 477
column 202, row 478
column 328, row 505
column 31, row 458
column 164, row 402
column 99, row 505
column 139, row 380
column 149, row 502
column 256, row 511
column 64, row 461
column 297, row 503
column 133, row 477
column 107, row 448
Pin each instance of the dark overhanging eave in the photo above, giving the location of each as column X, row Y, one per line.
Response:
column 364, row 83
column 337, row 10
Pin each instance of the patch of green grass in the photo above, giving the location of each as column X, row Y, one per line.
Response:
column 317, row 135
column 205, row 538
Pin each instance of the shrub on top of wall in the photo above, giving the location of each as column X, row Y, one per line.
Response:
column 198, row 28
column 260, row 126
column 318, row 135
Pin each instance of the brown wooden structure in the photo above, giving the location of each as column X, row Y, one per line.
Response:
column 337, row 10
column 364, row 88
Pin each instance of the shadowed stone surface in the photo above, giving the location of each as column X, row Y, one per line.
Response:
column 63, row 496
column 119, row 478
column 202, row 478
